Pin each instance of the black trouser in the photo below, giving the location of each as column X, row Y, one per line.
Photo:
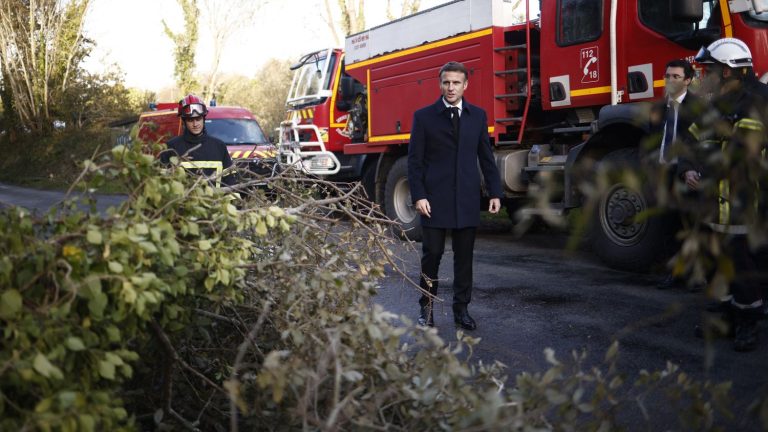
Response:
column 745, row 287
column 432, row 247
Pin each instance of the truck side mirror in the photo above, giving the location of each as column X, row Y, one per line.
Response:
column 760, row 6
column 687, row 10
column 347, row 87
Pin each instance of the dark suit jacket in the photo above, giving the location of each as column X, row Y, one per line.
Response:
column 444, row 170
column 690, row 109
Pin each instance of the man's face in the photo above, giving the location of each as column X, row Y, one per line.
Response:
column 452, row 86
column 675, row 82
column 195, row 124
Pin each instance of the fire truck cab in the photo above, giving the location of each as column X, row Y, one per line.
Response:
column 559, row 89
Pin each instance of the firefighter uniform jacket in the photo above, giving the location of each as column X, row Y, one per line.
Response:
column 735, row 128
column 443, row 168
column 211, row 156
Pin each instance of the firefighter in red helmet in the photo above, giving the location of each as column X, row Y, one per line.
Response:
column 195, row 148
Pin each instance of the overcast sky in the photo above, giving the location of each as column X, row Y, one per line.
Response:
column 130, row 34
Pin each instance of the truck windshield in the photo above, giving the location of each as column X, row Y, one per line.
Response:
column 312, row 78
column 235, row 131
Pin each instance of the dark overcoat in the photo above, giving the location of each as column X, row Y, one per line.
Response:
column 444, row 170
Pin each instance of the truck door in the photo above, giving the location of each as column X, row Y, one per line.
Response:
column 575, row 60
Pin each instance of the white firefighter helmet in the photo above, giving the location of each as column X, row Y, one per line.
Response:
column 730, row 52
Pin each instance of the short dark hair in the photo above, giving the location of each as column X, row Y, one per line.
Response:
column 685, row 64
column 453, row 66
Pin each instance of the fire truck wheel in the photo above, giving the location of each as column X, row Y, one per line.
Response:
column 397, row 202
column 617, row 236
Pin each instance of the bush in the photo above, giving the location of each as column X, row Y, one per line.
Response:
column 191, row 307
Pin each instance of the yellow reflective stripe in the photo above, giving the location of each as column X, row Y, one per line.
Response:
column 236, row 154
column 749, row 124
column 247, row 154
column 724, row 213
column 590, row 91
column 217, row 165
column 421, row 48
column 725, row 13
column 694, row 130
column 403, row 136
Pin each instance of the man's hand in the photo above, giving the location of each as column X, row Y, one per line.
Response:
column 422, row 206
column 691, row 178
column 495, row 205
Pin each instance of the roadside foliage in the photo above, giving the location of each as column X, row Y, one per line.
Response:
column 193, row 308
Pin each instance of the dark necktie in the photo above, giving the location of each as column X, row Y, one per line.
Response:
column 455, row 121
column 669, row 129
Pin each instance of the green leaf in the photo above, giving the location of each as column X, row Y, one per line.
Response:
column 44, row 367
column 115, row 267
column 97, row 304
column 148, row 247
column 113, row 333
column 87, row 423
column 74, row 343
column 107, row 369
column 10, row 304
column 93, row 236
column 204, row 245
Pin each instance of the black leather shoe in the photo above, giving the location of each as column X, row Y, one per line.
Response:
column 463, row 320
column 426, row 318
column 745, row 338
column 669, row 282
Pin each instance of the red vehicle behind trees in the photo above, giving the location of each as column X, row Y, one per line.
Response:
column 235, row 126
column 558, row 90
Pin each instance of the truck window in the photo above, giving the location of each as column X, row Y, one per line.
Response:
column 312, row 80
column 655, row 15
column 579, row 21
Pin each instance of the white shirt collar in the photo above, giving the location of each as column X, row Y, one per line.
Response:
column 458, row 105
column 680, row 98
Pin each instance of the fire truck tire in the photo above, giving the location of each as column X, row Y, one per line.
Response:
column 615, row 236
column 397, row 202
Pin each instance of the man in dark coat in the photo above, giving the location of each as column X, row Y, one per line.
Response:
column 671, row 118
column 195, row 147
column 448, row 139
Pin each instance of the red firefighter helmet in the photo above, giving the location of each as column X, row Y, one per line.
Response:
column 192, row 106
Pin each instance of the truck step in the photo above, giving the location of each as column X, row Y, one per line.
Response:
column 543, row 168
column 510, row 95
column 554, row 210
column 507, row 143
column 510, row 47
column 511, row 71
column 509, row 120
column 572, row 129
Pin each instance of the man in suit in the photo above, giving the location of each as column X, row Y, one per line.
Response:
column 673, row 118
column 448, row 139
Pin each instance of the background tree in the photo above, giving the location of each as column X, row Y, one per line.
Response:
column 185, row 46
column 264, row 95
column 225, row 18
column 408, row 7
column 351, row 18
column 41, row 48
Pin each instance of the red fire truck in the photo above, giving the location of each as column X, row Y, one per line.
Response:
column 558, row 89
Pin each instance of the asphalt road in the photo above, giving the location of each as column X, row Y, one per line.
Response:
column 41, row 200
column 530, row 294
